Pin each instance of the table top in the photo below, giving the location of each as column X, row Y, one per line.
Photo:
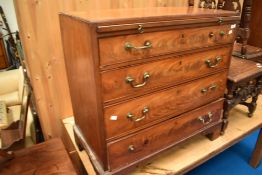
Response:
column 45, row 158
column 242, row 69
column 195, row 151
column 161, row 13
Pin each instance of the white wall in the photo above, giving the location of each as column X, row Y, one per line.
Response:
column 9, row 10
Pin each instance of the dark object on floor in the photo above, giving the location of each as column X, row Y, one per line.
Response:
column 257, row 153
column 244, row 82
column 46, row 158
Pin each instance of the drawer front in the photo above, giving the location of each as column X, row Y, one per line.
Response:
column 153, row 139
column 122, row 118
column 136, row 80
column 133, row 47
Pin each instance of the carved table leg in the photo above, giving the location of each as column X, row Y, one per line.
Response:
column 228, row 105
column 255, row 93
column 253, row 105
column 257, row 153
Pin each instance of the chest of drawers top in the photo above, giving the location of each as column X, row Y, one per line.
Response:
column 133, row 71
column 146, row 33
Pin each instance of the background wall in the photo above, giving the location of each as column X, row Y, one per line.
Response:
column 40, row 33
column 8, row 7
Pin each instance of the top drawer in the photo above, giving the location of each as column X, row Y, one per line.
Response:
column 126, row 48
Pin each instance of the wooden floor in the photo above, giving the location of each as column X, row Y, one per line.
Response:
column 192, row 153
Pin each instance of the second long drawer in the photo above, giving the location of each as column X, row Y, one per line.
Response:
column 124, row 117
column 127, row 82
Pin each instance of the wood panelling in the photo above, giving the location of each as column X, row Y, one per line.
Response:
column 40, row 33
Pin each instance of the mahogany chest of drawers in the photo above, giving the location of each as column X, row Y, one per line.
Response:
column 144, row 80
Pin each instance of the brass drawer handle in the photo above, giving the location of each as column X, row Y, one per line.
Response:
column 222, row 33
column 138, row 119
column 204, row 121
column 204, row 90
column 130, row 81
column 211, row 34
column 210, row 88
column 147, row 45
column 131, row 148
column 215, row 63
column 220, row 21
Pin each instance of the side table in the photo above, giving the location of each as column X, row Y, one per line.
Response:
column 45, row 158
column 244, row 82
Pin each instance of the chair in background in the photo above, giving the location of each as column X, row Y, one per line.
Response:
column 242, row 49
column 14, row 101
column 11, row 89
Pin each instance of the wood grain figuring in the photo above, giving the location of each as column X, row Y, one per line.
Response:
column 163, row 135
column 81, row 70
column 162, row 43
column 170, row 71
column 171, row 102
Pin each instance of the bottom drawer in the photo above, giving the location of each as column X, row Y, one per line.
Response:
column 149, row 141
